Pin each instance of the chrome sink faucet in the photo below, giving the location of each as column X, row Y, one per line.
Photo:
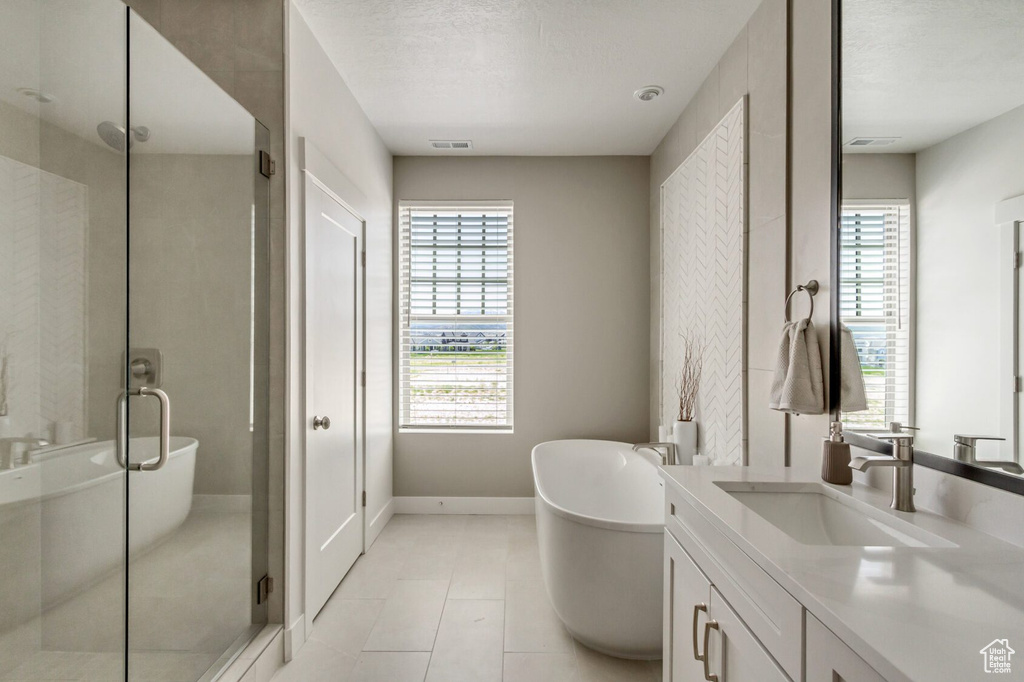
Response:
column 902, row 462
column 7, row 450
column 668, row 457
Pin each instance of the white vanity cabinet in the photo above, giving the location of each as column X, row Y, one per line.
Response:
column 705, row 638
column 828, row 658
column 727, row 620
column 687, row 593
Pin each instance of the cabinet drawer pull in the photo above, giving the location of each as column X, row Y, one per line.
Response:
column 697, row 608
column 708, row 626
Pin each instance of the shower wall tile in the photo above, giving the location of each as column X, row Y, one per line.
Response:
column 767, row 64
column 768, row 448
column 732, row 74
column 764, row 319
column 705, row 104
column 204, row 30
column 192, row 300
column 261, row 92
column 148, row 10
column 258, row 39
column 225, row 79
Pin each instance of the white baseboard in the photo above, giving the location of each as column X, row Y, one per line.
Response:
column 268, row 662
column 294, row 637
column 464, row 505
column 258, row 662
column 375, row 526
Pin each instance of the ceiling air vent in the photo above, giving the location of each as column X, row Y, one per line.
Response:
column 871, row 141
column 451, row 144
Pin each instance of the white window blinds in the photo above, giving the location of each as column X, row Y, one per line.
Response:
column 455, row 345
column 875, row 296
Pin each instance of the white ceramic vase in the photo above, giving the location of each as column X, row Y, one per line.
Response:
column 684, row 435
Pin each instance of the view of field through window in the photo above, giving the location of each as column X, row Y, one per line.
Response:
column 456, row 353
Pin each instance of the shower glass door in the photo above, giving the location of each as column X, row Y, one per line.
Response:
column 133, row 455
column 197, row 202
column 63, row 305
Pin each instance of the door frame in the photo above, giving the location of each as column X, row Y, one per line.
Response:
column 318, row 171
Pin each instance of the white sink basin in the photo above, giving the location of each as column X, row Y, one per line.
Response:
column 815, row 514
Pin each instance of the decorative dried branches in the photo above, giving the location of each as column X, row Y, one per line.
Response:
column 688, row 381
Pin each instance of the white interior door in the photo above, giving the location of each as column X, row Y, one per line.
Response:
column 334, row 363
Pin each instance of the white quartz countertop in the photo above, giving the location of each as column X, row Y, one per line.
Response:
column 920, row 614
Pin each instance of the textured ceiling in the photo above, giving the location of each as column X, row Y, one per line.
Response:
column 925, row 70
column 537, row 77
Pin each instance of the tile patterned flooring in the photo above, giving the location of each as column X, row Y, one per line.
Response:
column 175, row 637
column 450, row 599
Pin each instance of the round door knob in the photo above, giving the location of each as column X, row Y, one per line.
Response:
column 321, row 423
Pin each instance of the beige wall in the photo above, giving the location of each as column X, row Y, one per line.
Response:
column 322, row 110
column 880, row 176
column 755, row 66
column 961, row 260
column 581, row 263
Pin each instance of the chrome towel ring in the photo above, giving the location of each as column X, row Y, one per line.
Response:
column 811, row 288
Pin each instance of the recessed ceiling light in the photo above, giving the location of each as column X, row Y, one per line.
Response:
column 648, row 93
column 41, row 97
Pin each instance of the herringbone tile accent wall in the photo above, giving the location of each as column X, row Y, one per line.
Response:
column 703, row 279
column 43, row 220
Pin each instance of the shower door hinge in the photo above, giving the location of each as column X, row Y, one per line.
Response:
column 364, row 498
column 268, row 166
column 1016, row 260
column 1017, row 384
column 362, row 379
column 264, row 587
column 364, row 259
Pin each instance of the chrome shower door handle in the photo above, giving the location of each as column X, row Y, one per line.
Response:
column 121, row 437
column 121, row 447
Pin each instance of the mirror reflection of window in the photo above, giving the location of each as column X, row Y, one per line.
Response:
column 875, row 296
column 930, row 283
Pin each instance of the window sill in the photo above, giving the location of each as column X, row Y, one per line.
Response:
column 449, row 432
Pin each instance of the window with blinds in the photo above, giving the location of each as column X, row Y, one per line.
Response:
column 875, row 295
column 455, row 298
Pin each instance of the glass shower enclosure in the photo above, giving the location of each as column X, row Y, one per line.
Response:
column 134, row 211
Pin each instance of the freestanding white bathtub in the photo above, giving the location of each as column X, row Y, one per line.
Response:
column 600, row 521
column 65, row 515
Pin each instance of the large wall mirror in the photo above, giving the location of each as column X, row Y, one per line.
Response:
column 928, row 243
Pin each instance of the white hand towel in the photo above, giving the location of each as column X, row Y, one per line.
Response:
column 853, row 397
column 798, row 387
